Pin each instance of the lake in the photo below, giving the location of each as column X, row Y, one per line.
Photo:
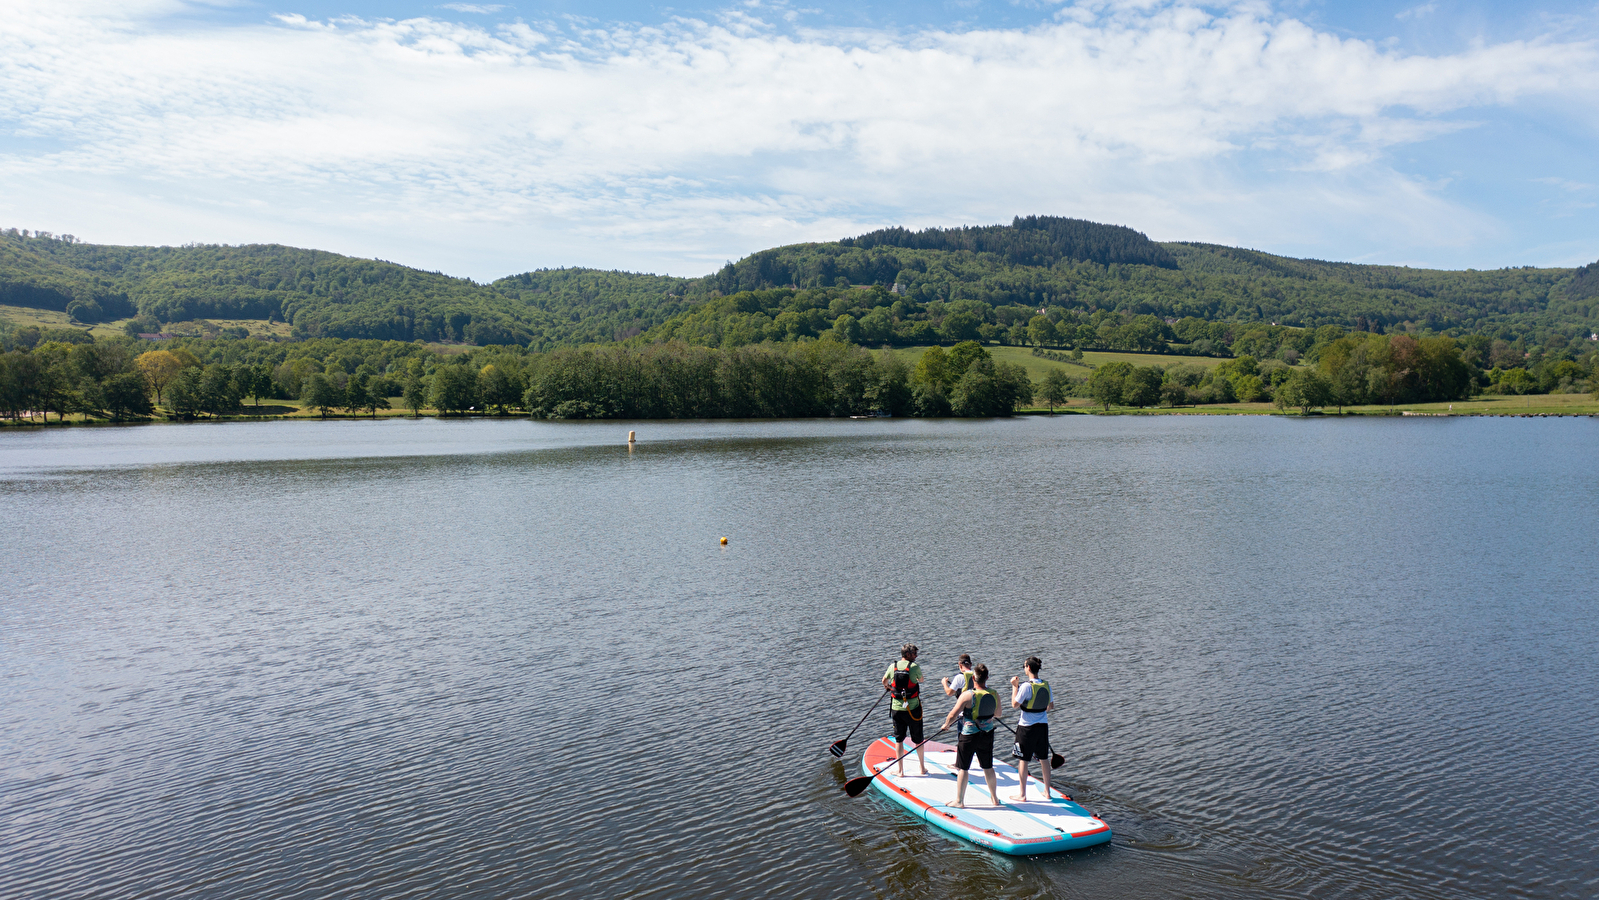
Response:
column 478, row 658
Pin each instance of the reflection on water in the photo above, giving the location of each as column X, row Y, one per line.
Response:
column 480, row 658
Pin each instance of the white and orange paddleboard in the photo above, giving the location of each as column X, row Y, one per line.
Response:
column 1041, row 825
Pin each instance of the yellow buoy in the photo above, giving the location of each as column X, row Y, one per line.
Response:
column 630, row 437
column 724, row 540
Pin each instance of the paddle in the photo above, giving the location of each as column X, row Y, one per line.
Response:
column 837, row 747
column 854, row 786
column 1055, row 759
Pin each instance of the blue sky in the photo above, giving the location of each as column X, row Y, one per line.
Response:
column 485, row 139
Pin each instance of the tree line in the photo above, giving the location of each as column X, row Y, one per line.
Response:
column 63, row 371
column 120, row 379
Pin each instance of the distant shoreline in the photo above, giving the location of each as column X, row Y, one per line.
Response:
column 1548, row 406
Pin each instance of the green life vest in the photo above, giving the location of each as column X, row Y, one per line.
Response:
column 980, row 714
column 1039, row 701
column 906, row 692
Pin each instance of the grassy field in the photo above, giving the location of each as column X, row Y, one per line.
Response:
column 22, row 316
column 1037, row 366
column 1531, row 405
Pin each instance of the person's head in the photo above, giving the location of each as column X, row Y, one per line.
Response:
column 908, row 652
column 966, row 660
column 982, row 674
column 1033, row 664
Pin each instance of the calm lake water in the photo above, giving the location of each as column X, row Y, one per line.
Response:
column 1347, row 659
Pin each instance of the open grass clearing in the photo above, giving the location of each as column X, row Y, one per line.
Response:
column 1037, row 366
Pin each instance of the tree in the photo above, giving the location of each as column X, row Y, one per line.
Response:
column 933, row 368
column 1141, row 386
column 890, row 390
column 454, row 389
column 1174, row 393
column 322, row 394
column 356, row 396
column 976, row 394
column 500, row 387
column 186, row 393
column 125, row 395
column 963, row 356
column 1105, row 384
column 414, row 393
column 1055, row 388
column 959, row 326
column 1041, row 330
column 1304, row 389
column 253, row 381
column 218, row 389
column 159, row 367
column 846, row 329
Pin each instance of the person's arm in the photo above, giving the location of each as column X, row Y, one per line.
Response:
column 888, row 679
column 1015, row 692
column 966, row 698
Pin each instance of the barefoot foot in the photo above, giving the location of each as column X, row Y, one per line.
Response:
column 1019, row 798
column 957, row 805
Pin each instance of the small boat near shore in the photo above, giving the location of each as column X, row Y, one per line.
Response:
column 1020, row 829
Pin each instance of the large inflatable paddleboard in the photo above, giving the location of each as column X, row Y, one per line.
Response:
column 1021, row 829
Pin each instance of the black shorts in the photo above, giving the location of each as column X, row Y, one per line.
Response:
column 907, row 720
column 980, row 744
column 1032, row 742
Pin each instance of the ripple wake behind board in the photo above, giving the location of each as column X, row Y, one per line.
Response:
column 1019, row 829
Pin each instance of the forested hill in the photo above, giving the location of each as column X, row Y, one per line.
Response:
column 898, row 285
column 1031, row 241
column 328, row 295
column 1205, row 281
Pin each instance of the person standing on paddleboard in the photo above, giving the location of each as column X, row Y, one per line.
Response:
column 978, row 710
column 903, row 681
column 1032, row 732
column 962, row 680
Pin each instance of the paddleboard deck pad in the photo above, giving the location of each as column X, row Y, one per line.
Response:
column 1020, row 829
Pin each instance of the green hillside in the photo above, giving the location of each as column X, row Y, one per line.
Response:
column 328, row 295
column 1099, row 286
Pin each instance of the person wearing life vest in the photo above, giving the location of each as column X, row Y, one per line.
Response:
column 903, row 681
column 1032, row 697
column 978, row 711
column 962, row 680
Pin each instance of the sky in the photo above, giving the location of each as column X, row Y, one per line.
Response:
column 486, row 139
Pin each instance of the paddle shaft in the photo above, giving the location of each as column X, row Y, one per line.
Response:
column 859, row 784
column 863, row 718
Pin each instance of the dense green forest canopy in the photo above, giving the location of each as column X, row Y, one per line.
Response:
column 1031, row 241
column 1098, row 286
column 328, row 295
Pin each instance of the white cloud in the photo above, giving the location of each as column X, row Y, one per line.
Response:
column 478, row 8
column 675, row 146
column 1416, row 12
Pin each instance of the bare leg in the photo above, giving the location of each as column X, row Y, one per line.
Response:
column 1043, row 766
column 960, row 790
column 1021, row 773
column 921, row 758
column 899, row 754
column 993, row 786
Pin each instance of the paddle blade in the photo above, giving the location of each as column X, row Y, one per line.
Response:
column 854, row 786
column 837, row 748
column 1056, row 761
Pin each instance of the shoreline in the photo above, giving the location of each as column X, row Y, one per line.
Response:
column 1578, row 406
